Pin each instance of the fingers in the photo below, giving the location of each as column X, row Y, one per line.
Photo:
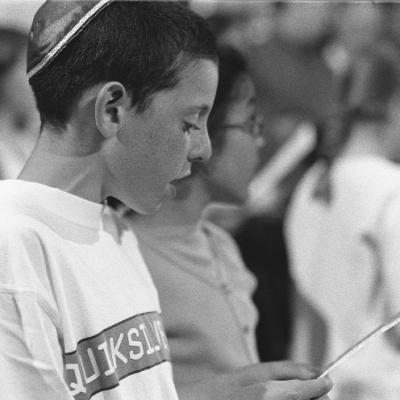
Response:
column 226, row 388
column 291, row 370
column 315, row 388
column 297, row 389
column 279, row 370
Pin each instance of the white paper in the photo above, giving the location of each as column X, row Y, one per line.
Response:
column 359, row 345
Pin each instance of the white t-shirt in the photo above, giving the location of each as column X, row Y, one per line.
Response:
column 79, row 314
column 345, row 261
column 205, row 291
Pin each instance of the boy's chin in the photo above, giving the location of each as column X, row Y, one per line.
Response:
column 149, row 207
column 152, row 205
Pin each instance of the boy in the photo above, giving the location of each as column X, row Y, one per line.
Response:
column 124, row 90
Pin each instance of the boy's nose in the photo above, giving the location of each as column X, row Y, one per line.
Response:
column 200, row 147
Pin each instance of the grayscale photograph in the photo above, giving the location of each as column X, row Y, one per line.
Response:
column 199, row 200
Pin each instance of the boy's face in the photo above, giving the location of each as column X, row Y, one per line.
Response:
column 155, row 147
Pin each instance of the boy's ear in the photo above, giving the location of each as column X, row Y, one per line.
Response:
column 112, row 102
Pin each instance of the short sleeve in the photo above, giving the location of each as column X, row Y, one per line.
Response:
column 31, row 362
column 30, row 352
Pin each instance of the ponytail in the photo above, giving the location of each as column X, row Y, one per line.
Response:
column 364, row 93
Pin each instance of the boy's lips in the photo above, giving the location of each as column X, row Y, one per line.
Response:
column 183, row 174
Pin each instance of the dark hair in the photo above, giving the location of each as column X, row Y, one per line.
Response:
column 364, row 93
column 142, row 44
column 231, row 66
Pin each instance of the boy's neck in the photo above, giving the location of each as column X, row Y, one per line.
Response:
column 57, row 163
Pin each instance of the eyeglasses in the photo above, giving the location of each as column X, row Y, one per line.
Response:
column 253, row 126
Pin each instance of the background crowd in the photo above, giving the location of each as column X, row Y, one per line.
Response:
column 314, row 66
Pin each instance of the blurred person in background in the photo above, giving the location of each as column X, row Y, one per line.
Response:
column 295, row 69
column 204, row 287
column 292, row 78
column 19, row 119
column 294, row 84
column 343, row 232
column 355, row 25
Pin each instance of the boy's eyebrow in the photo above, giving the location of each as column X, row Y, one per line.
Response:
column 201, row 108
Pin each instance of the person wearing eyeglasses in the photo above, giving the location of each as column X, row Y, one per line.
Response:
column 204, row 287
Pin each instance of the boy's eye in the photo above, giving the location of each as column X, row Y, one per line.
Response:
column 187, row 127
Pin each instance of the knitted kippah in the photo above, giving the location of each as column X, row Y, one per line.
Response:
column 55, row 24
